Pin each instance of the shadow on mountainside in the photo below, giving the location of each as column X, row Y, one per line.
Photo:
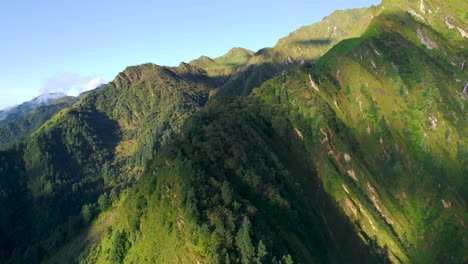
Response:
column 313, row 42
column 271, row 180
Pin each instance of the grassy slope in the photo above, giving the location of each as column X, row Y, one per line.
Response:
column 384, row 120
column 384, row 131
column 235, row 57
column 309, row 43
column 223, row 67
column 303, row 45
column 366, row 126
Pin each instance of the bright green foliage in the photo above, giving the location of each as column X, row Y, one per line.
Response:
column 113, row 196
column 275, row 208
column 98, row 143
column 311, row 42
column 358, row 158
column 103, row 201
column 306, row 44
column 120, row 245
column 382, row 116
column 235, row 57
column 287, row 260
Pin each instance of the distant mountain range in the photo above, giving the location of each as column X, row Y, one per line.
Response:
column 344, row 143
column 14, row 112
column 23, row 120
column 18, row 122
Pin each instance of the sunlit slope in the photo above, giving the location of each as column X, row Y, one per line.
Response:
column 238, row 187
column 383, row 118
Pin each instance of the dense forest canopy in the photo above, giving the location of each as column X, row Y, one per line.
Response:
column 344, row 143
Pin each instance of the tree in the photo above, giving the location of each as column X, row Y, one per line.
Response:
column 287, row 259
column 226, row 192
column 244, row 243
column 261, row 252
column 103, row 202
column 114, row 196
column 87, row 212
column 119, row 247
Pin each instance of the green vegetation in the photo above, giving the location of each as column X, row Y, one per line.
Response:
column 306, row 44
column 19, row 128
column 235, row 57
column 356, row 156
column 15, row 112
column 238, row 186
column 98, row 144
column 381, row 116
column 241, row 70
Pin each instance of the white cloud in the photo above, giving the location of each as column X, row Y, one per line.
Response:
column 67, row 83
column 71, row 83
column 61, row 82
column 91, row 84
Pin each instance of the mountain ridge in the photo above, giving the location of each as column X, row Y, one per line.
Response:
column 13, row 112
column 356, row 156
column 11, row 131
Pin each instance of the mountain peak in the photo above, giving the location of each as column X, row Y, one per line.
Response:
column 235, row 57
column 15, row 112
column 238, row 51
column 48, row 97
column 203, row 62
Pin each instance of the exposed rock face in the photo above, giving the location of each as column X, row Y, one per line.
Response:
column 425, row 40
column 433, row 121
column 313, row 84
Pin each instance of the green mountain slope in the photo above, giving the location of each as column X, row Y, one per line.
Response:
column 383, row 116
column 357, row 158
column 235, row 57
column 378, row 122
column 96, row 145
column 241, row 70
column 309, row 43
column 15, row 112
column 222, row 68
column 303, row 45
column 13, row 130
column 238, row 187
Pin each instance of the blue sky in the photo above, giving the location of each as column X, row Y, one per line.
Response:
column 70, row 46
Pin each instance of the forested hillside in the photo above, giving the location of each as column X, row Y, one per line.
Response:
column 341, row 144
column 97, row 145
column 24, row 125
column 378, row 123
column 237, row 187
